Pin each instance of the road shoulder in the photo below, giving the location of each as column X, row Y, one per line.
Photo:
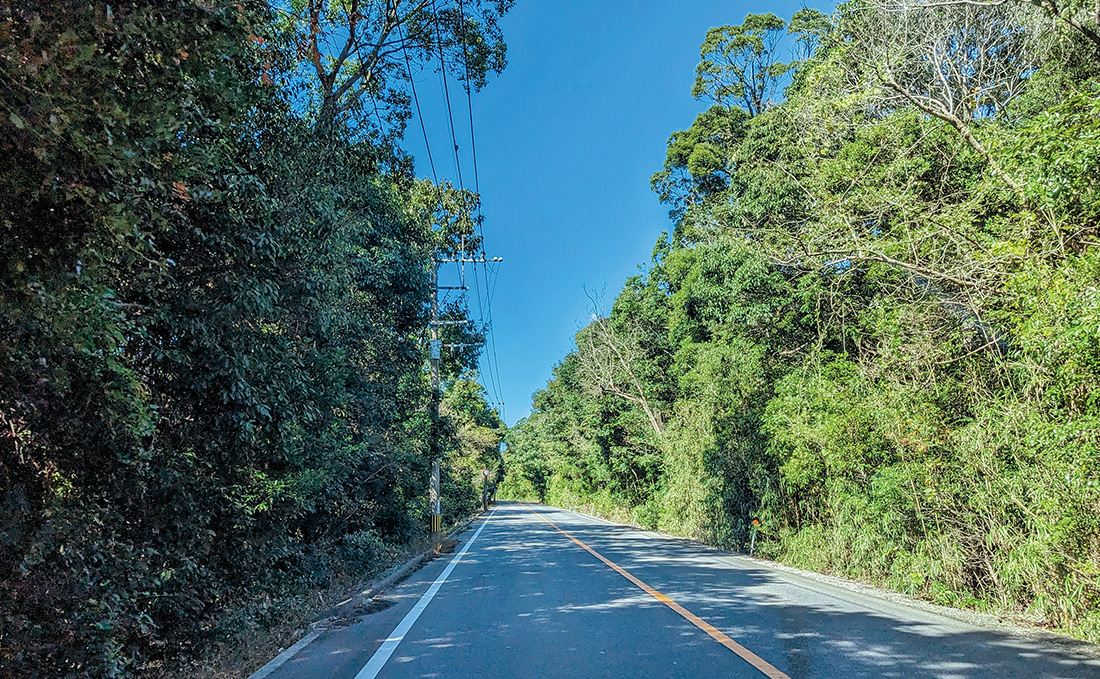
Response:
column 877, row 596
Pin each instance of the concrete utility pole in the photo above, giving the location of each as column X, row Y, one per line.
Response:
column 436, row 351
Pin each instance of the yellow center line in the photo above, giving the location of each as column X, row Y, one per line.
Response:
column 745, row 654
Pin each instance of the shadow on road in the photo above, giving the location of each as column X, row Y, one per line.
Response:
column 527, row 602
column 809, row 629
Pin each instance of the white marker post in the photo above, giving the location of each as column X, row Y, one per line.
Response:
column 433, row 497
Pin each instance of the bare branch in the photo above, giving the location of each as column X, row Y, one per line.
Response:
column 606, row 357
column 941, row 111
column 871, row 256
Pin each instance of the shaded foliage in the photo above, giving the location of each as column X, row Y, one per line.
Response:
column 212, row 385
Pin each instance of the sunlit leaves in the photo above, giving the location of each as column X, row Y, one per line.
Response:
column 740, row 65
column 882, row 314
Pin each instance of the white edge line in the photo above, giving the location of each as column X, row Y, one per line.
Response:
column 378, row 660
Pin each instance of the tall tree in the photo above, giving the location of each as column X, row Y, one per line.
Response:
column 957, row 62
column 359, row 55
column 740, row 64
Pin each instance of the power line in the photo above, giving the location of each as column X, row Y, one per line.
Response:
column 491, row 366
column 447, row 93
column 481, row 312
column 494, row 370
column 416, row 102
column 485, row 311
column 469, row 99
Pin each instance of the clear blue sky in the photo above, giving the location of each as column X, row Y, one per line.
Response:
column 567, row 139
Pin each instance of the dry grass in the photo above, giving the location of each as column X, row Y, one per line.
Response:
column 254, row 644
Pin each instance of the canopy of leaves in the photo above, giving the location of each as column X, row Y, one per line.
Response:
column 740, row 64
column 874, row 329
column 355, row 59
column 212, row 351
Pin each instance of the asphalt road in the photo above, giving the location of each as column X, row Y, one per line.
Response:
column 525, row 599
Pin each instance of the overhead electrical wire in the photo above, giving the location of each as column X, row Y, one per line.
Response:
column 491, row 364
column 416, row 102
column 447, row 94
column 494, row 371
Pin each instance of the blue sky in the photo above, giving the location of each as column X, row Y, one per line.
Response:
column 567, row 139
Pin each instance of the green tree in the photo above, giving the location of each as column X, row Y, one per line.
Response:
column 357, row 56
column 739, row 65
column 873, row 328
column 211, row 319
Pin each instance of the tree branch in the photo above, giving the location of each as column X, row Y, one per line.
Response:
column 871, row 256
column 938, row 110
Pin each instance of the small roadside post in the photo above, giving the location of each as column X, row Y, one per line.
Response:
column 433, row 498
column 752, row 540
column 484, row 489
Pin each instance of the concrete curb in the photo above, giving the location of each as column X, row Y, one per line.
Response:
column 286, row 655
column 375, row 587
column 386, row 580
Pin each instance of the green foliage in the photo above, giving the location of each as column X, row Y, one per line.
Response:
column 211, row 362
column 697, row 167
column 875, row 328
column 353, row 64
column 739, row 65
column 1059, row 153
column 475, row 431
column 810, row 27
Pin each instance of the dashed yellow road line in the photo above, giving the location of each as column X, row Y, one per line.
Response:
column 745, row 654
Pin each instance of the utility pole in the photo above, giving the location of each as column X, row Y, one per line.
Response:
column 436, row 351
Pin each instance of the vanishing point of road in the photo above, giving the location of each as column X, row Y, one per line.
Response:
column 542, row 593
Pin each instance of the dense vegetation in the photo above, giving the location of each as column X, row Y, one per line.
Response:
column 875, row 326
column 214, row 288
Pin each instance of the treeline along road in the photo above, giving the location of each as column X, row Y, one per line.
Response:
column 873, row 327
column 214, row 291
